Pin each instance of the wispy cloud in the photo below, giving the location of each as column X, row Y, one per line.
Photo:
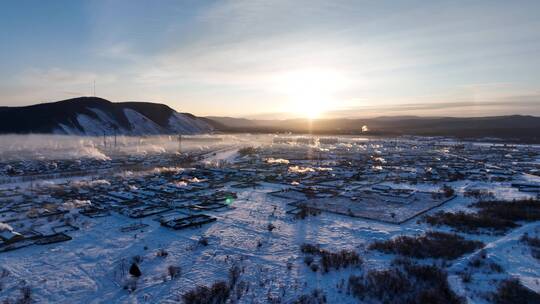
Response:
column 524, row 105
column 224, row 57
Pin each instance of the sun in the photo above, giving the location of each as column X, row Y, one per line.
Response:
column 310, row 92
column 308, row 103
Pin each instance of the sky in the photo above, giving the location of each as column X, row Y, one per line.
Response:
column 277, row 59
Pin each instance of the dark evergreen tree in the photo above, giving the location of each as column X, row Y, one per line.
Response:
column 134, row 270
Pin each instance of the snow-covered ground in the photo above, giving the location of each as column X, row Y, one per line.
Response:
column 92, row 267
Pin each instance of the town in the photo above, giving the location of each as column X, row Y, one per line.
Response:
column 293, row 218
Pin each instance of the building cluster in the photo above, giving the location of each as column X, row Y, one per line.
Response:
column 387, row 180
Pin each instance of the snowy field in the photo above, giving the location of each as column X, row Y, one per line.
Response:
column 256, row 231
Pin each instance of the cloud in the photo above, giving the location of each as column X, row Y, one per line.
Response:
column 224, row 57
column 119, row 51
column 508, row 105
column 37, row 84
column 59, row 77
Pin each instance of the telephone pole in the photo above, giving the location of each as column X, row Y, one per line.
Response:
column 179, row 143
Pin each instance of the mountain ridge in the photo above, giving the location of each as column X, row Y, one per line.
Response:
column 524, row 128
column 98, row 116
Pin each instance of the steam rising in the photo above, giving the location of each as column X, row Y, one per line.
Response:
column 50, row 147
column 65, row 147
column 5, row 227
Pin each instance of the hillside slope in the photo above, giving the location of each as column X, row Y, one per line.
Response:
column 98, row 116
column 511, row 127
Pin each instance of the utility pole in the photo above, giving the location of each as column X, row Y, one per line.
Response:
column 179, row 143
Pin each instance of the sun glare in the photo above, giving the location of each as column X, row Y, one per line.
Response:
column 310, row 92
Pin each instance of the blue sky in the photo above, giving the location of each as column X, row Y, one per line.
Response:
column 277, row 58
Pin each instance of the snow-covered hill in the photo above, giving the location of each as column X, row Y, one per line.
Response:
column 97, row 116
